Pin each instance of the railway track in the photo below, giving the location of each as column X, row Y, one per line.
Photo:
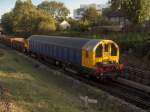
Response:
column 137, row 74
column 129, row 94
column 133, row 95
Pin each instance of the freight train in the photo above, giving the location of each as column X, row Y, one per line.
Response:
column 93, row 57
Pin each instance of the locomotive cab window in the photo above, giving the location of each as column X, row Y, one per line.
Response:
column 113, row 50
column 106, row 47
column 99, row 51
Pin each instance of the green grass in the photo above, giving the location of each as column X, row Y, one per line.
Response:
column 28, row 88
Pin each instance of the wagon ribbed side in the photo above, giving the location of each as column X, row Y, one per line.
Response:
column 64, row 49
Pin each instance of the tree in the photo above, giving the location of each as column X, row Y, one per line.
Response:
column 7, row 23
column 26, row 19
column 115, row 4
column 136, row 11
column 46, row 24
column 84, row 25
column 56, row 9
column 74, row 24
column 91, row 15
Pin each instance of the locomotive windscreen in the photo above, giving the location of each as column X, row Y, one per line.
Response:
column 113, row 50
column 99, row 51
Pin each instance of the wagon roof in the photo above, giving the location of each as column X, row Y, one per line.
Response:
column 89, row 46
column 72, row 42
column 18, row 39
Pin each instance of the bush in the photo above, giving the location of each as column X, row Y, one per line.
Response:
column 25, row 19
column 46, row 27
column 138, row 42
column 7, row 22
column 84, row 25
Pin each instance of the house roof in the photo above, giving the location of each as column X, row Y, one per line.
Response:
column 65, row 23
column 117, row 13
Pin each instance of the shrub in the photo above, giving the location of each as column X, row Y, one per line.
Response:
column 7, row 22
column 138, row 42
column 46, row 27
column 84, row 25
column 25, row 19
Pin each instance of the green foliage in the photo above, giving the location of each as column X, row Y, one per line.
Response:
column 74, row 24
column 107, row 11
column 26, row 19
column 46, row 26
column 7, row 22
column 115, row 4
column 137, row 42
column 84, row 25
column 78, row 25
column 91, row 14
column 137, row 11
column 54, row 8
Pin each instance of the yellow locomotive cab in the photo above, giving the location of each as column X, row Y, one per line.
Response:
column 104, row 52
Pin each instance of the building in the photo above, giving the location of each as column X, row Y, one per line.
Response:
column 64, row 25
column 118, row 18
column 78, row 13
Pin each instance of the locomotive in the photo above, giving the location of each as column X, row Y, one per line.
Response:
column 95, row 57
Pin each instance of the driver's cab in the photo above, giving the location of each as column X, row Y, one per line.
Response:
column 105, row 52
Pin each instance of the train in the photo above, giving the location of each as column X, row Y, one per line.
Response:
column 93, row 57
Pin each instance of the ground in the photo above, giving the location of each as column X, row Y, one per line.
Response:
column 27, row 87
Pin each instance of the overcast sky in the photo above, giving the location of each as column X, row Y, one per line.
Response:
column 7, row 5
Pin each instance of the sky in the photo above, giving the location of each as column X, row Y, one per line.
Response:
column 7, row 5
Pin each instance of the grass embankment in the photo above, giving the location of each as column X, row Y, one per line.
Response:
column 26, row 87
